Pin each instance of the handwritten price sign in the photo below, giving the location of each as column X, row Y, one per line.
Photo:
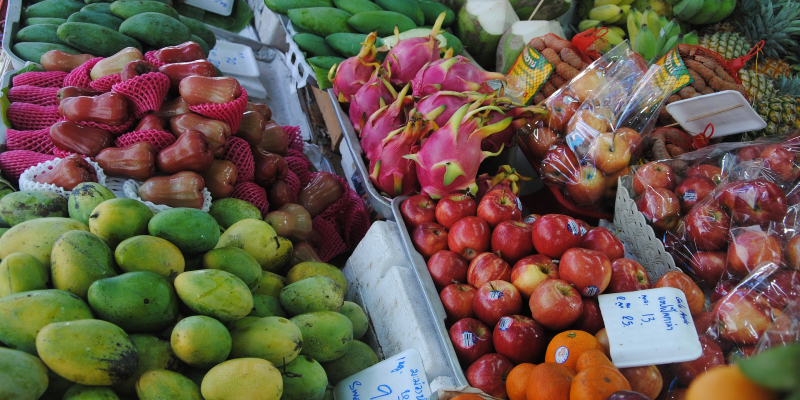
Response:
column 401, row 377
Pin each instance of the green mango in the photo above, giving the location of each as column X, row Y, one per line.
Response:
column 20, row 272
column 192, row 230
column 229, row 211
column 22, row 376
column 327, row 335
column 237, row 262
column 162, row 384
column 317, row 293
column 85, row 197
column 356, row 315
column 118, row 219
column 271, row 284
column 267, row 306
column 36, row 237
column 308, row 269
column 82, row 392
column 215, row 293
column 249, row 378
column 152, row 254
column 201, row 341
column 18, row 207
column 357, row 358
column 78, row 259
column 274, row 339
column 154, row 353
column 135, row 301
column 304, row 379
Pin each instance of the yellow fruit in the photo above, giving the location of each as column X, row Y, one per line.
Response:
column 729, row 383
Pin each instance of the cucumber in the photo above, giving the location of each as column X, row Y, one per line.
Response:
column 95, row 39
column 53, row 9
column 127, row 9
column 321, row 66
column 48, row 21
column 43, row 33
column 454, row 43
column 381, row 21
column 409, row 8
column 357, row 6
column 104, row 8
column 109, row 21
column 283, row 6
column 321, row 21
column 198, row 28
column 432, row 10
column 349, row 44
column 156, row 29
column 202, row 43
column 33, row 51
column 314, row 45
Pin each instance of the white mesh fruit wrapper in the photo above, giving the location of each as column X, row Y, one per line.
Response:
column 26, row 182
column 114, row 184
column 131, row 190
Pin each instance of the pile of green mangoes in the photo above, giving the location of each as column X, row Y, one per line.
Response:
column 102, row 298
column 104, row 28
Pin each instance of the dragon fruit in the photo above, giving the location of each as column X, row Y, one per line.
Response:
column 448, row 160
column 389, row 171
column 354, row 72
column 506, row 178
column 441, row 106
column 383, row 122
column 453, row 74
column 376, row 93
column 406, row 58
column 505, row 137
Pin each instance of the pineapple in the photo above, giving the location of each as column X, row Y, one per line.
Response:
column 781, row 109
column 730, row 45
column 773, row 67
column 758, row 86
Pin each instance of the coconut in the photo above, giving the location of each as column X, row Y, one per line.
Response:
column 514, row 40
column 550, row 9
column 481, row 24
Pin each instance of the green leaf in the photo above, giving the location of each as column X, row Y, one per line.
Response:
column 777, row 368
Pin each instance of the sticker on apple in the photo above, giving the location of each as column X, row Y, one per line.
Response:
column 573, row 228
column 467, row 339
column 495, row 294
column 504, row 323
column 690, row 196
column 519, row 203
column 562, row 353
column 590, row 291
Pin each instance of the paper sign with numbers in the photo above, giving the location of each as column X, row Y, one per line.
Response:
column 401, row 377
column 649, row 327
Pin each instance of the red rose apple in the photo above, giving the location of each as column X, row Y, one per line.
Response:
column 428, row 238
column 453, row 207
column 555, row 304
column 591, row 320
column 743, row 316
column 418, row 209
column 693, row 190
column 587, row 186
column 660, row 207
column 531, row 271
column 498, row 206
column 472, row 339
column 708, row 266
column 489, row 374
column 519, row 338
column 653, row 174
column 487, row 267
column 708, row 227
column 627, row 276
column 601, row 239
column 588, row 270
column 750, row 248
column 446, row 267
column 469, row 237
column 457, row 301
column 496, row 299
column 553, row 234
column 780, row 160
column 512, row 240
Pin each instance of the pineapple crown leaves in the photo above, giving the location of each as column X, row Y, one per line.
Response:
column 790, row 86
column 778, row 24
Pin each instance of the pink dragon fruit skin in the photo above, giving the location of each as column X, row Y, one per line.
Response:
column 376, row 93
column 382, row 122
column 448, row 160
column 505, row 137
column 355, row 71
column 442, row 105
column 408, row 56
column 389, row 171
column 452, row 74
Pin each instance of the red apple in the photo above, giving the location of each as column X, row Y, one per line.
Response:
column 653, row 174
column 489, row 374
column 693, row 190
column 469, row 237
column 540, row 140
column 561, row 108
column 531, row 271
column 709, row 171
column 754, row 202
column 660, row 207
column 588, row 270
column 446, row 267
column 627, row 395
column 559, row 164
column 555, row 304
column 418, row 209
column 688, row 370
column 743, row 316
column 472, row 339
column 708, row 227
column 583, row 86
column 781, row 161
column 783, row 288
column 587, row 186
column 750, row 248
column 499, row 205
column 612, row 182
column 519, row 338
column 553, row 234
column 673, row 394
column 646, row 380
column 792, row 252
column 601, row 239
column 512, row 240
column 428, row 238
column 496, row 299
column 457, row 301
column 610, row 152
column 678, row 280
column 708, row 266
column 591, row 320
column 627, row 276
column 750, row 152
column 487, row 267
column 453, row 207
column 722, row 289
column 705, row 322
column 583, row 226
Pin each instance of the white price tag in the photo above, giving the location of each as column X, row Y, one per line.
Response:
column 401, row 377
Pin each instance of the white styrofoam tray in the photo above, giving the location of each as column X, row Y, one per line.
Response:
column 234, row 59
column 739, row 117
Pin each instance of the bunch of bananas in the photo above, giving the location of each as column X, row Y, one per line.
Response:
column 611, row 14
column 699, row 12
column 652, row 36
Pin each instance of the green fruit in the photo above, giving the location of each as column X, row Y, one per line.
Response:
column 156, row 29
column 229, row 211
column 109, row 21
column 95, row 39
column 150, row 253
column 242, row 322
column 89, row 352
column 266, row 306
column 57, row 388
column 43, row 20
column 274, row 339
column 409, row 8
column 162, row 384
column 480, row 26
column 548, row 10
column 358, row 358
column 127, row 9
column 356, row 315
column 256, row 237
column 198, row 28
column 203, row 45
column 303, row 379
column 52, row 9
column 85, row 197
column 283, row 6
column 356, row 6
column 154, row 354
column 454, row 43
column 118, row 219
column 383, row 22
column 81, row 392
column 104, row 8
column 18, row 207
column 36, row 237
column 237, row 262
column 777, row 368
column 20, row 272
column 22, row 315
column 271, row 284
column 327, row 335
column 201, row 341
column 318, row 293
column 78, row 259
column 45, row 33
column 33, row 51
column 432, row 10
column 135, row 301
column 192, row 230
column 312, row 268
column 215, row 293
column 22, row 376
column 321, row 21
column 248, row 378
column 349, row 44
column 314, row 45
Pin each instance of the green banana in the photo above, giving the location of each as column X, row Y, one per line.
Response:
column 626, row 9
column 663, row 20
column 613, row 38
column 652, row 21
column 675, row 29
column 690, row 38
column 625, row 3
column 663, row 36
column 708, row 10
column 686, row 9
column 588, row 24
column 633, row 26
column 670, row 44
column 673, row 2
column 725, row 10
column 606, row 13
column 645, row 43
column 619, row 31
column 598, row 3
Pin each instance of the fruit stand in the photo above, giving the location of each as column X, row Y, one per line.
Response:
column 430, row 199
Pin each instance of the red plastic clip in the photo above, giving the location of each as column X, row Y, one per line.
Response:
column 701, row 139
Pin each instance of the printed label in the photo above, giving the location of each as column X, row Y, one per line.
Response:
column 562, row 353
column 495, row 294
column 583, row 231
column 519, row 203
column 504, row 323
column 590, row 291
column 467, row 339
column 529, row 219
column 573, row 228
column 690, row 196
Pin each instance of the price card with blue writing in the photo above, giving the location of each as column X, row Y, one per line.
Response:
column 401, row 377
column 649, row 327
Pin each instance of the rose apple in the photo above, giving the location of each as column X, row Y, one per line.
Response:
column 627, row 395
column 487, row 267
column 519, row 338
column 678, row 280
column 627, row 276
column 559, row 164
column 781, row 161
column 743, row 316
column 645, row 380
column 496, row 299
column 540, row 140
column 555, row 304
column 792, row 252
column 688, row 370
column 587, row 186
column 653, row 174
column 709, row 171
column 553, row 234
column 498, row 206
column 660, row 207
column 610, row 152
column 418, row 209
column 591, row 320
column 692, row 190
column 708, row 226
column 561, row 108
column 708, row 266
column 489, row 374
column 472, row 339
column 512, row 241
column 446, row 267
column 588, row 270
column 457, row 301
column 453, row 207
column 750, row 248
column 531, row 271
column 428, row 238
column 783, row 288
column 754, row 202
column 469, row 237
column 601, row 239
